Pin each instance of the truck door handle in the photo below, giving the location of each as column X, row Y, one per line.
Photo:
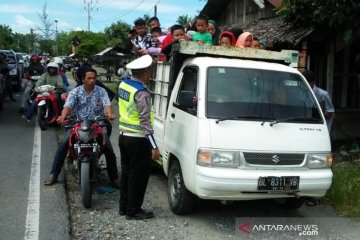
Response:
column 173, row 115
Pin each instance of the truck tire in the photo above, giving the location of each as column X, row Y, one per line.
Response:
column 290, row 203
column 85, row 184
column 181, row 200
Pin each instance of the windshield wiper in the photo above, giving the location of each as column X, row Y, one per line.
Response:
column 242, row 117
column 292, row 119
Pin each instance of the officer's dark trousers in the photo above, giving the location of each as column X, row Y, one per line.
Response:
column 135, row 171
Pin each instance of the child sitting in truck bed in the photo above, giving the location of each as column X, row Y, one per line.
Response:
column 177, row 34
column 202, row 35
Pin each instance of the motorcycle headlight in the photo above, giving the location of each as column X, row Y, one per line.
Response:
column 218, row 158
column 319, row 160
column 13, row 71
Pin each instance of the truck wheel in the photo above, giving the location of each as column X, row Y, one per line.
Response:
column 85, row 184
column 290, row 203
column 181, row 200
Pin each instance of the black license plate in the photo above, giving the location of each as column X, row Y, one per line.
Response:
column 278, row 183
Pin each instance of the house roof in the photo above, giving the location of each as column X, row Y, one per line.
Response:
column 104, row 51
column 212, row 8
column 274, row 31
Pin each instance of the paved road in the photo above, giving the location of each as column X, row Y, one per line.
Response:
column 28, row 209
column 23, row 166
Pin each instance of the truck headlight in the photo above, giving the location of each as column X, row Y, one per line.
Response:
column 319, row 160
column 218, row 158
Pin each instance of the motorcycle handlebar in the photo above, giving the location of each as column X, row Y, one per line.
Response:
column 71, row 121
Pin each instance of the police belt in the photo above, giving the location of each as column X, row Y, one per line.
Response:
column 130, row 134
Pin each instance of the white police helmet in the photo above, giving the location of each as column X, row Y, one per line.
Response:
column 140, row 63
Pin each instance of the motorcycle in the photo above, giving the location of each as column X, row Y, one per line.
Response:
column 47, row 107
column 29, row 91
column 86, row 145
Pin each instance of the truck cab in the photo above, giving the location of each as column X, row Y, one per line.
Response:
column 238, row 124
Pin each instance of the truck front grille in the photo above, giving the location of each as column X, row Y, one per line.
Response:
column 274, row 158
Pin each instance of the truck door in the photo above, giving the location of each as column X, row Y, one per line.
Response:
column 181, row 121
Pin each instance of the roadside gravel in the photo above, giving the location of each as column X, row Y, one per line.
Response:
column 102, row 221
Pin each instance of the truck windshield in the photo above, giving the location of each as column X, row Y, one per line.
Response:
column 238, row 94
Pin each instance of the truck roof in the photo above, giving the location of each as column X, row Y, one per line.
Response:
column 233, row 62
column 288, row 57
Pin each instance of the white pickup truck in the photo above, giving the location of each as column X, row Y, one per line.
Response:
column 236, row 124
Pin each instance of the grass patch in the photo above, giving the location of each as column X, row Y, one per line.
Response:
column 344, row 193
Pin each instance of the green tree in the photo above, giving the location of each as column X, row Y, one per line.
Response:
column 183, row 20
column 47, row 24
column 6, row 37
column 21, row 42
column 117, row 34
column 90, row 43
column 146, row 17
column 64, row 41
column 337, row 16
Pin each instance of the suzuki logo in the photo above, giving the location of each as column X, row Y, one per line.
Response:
column 275, row 159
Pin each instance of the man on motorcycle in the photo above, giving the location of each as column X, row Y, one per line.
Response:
column 85, row 101
column 50, row 78
column 61, row 71
column 35, row 69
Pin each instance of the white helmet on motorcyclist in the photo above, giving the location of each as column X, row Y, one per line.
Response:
column 52, row 65
column 58, row 60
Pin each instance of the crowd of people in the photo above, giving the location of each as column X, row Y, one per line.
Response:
column 204, row 31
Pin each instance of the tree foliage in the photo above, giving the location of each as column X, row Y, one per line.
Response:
column 338, row 16
column 90, row 43
column 47, row 24
column 117, row 34
column 6, row 37
column 183, row 20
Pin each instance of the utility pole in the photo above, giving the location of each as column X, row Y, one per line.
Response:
column 31, row 50
column 88, row 7
column 56, row 36
column 155, row 10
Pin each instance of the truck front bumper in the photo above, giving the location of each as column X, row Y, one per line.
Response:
column 241, row 184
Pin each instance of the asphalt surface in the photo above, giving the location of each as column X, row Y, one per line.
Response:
column 28, row 210
column 209, row 220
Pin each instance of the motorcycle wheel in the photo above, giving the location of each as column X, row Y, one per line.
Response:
column 85, row 184
column 41, row 111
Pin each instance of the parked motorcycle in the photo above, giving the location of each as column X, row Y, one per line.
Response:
column 47, row 107
column 86, row 145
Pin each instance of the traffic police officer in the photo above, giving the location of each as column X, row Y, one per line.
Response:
column 136, row 141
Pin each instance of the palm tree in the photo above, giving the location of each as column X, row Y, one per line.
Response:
column 183, row 20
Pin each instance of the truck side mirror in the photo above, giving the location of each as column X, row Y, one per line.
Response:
column 186, row 99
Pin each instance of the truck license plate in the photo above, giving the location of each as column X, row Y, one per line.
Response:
column 278, row 183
